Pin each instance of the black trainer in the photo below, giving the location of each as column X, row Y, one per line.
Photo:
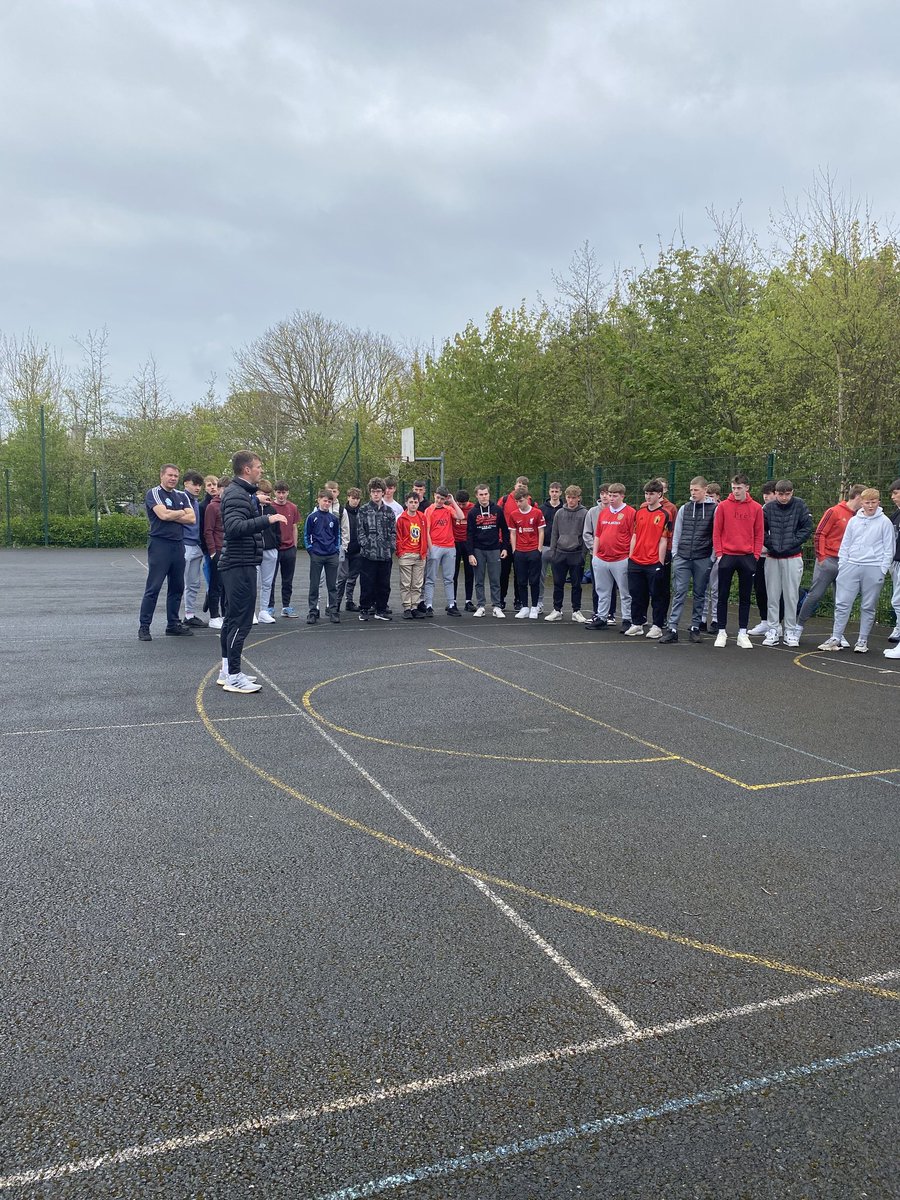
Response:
column 695, row 635
column 363, row 615
column 179, row 631
column 312, row 617
column 452, row 611
column 194, row 623
column 334, row 618
column 470, row 607
column 703, row 627
column 420, row 607
column 408, row 614
column 429, row 611
column 671, row 635
column 144, row 634
column 624, row 626
column 351, row 607
column 383, row 616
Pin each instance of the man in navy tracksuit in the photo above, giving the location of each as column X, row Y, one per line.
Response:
column 322, row 539
column 168, row 511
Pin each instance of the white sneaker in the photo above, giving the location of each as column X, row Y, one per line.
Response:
column 535, row 612
column 771, row 638
column 761, row 628
column 555, row 615
column 845, row 645
column 861, row 647
column 523, row 614
column 579, row 618
column 216, row 623
column 893, row 653
column 743, row 641
column 540, row 606
column 831, row 643
column 792, row 640
column 223, row 678
column 721, row 639
column 654, row 632
column 255, row 619
column 241, row 683
column 498, row 612
column 265, row 617
column 634, row 631
column 479, row 611
column 894, row 635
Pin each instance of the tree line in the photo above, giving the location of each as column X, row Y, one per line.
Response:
column 730, row 350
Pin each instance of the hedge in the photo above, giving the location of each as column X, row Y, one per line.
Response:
column 115, row 530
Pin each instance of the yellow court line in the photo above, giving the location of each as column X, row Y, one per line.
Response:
column 845, row 678
column 497, row 881
column 671, row 754
column 515, row 758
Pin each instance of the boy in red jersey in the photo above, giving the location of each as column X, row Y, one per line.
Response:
column 526, row 534
column 460, row 534
column 441, row 549
column 646, row 562
column 737, row 545
column 609, row 562
column 412, row 547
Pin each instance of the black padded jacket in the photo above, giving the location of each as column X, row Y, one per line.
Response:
column 242, row 524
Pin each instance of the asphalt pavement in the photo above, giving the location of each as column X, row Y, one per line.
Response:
column 451, row 908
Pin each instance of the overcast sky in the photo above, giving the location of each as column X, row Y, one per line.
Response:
column 187, row 172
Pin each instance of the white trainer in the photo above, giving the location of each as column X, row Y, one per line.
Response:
column 654, row 632
column 792, row 640
column 771, row 638
column 761, row 628
column 479, row 611
column 555, row 615
column 892, row 653
column 721, row 639
column 579, row 618
column 223, row 678
column 523, row 614
column 498, row 612
column 216, row 623
column 861, row 647
column 265, row 617
column 241, row 683
column 831, row 643
column 534, row 613
column 634, row 631
column 845, row 645
column 540, row 606
column 743, row 641
column 255, row 619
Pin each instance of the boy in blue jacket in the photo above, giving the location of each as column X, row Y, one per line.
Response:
column 322, row 539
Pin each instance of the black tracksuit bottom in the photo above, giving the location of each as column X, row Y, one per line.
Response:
column 238, row 605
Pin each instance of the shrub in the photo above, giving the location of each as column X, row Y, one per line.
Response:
column 115, row 531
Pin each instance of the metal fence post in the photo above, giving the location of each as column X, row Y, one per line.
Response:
column 45, row 511
column 8, row 509
column 96, row 513
column 770, row 466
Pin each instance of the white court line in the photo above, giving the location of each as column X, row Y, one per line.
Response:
column 147, row 724
column 659, row 703
column 590, row 989
column 268, row 1122
column 560, row 1137
column 143, row 565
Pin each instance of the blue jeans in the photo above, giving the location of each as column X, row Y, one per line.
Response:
column 686, row 572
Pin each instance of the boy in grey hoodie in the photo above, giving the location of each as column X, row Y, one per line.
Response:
column 863, row 559
column 567, row 554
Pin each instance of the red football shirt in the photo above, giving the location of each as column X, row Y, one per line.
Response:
column 526, row 525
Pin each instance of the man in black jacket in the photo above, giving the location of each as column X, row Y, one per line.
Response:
column 242, row 523
column 787, row 524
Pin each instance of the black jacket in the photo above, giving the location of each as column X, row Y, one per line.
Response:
column 243, row 525
column 786, row 527
column 353, row 547
column 694, row 529
column 895, row 521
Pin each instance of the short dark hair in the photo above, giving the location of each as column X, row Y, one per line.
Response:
column 740, row 479
column 390, row 481
column 354, row 493
column 224, row 482
column 442, row 491
column 784, row 485
column 376, row 483
column 768, row 486
column 193, row 477
column 281, row 486
column 462, row 496
column 858, row 489
column 654, row 485
column 895, row 486
column 169, row 467
column 241, row 460
column 418, row 483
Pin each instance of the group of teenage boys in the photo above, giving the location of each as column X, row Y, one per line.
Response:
column 648, row 559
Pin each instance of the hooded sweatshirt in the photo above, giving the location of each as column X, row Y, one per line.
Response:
column 738, row 527
column 868, row 541
column 830, row 530
column 567, row 537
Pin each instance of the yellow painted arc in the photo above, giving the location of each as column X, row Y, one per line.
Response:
column 522, row 890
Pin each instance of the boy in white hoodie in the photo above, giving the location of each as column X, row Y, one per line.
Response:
column 863, row 559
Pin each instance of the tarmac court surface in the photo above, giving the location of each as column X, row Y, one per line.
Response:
column 451, row 908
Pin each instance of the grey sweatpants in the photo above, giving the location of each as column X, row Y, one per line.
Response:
column 605, row 575
column 824, row 575
column 855, row 580
column 783, row 577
